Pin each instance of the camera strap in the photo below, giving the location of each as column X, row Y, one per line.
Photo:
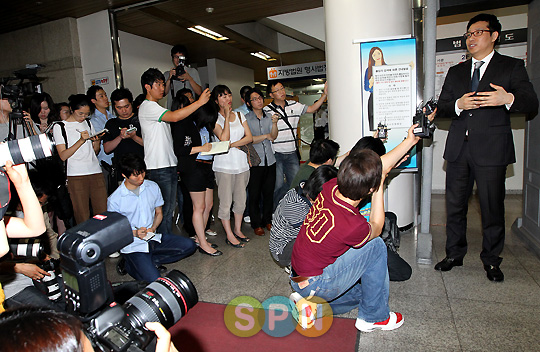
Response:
column 285, row 119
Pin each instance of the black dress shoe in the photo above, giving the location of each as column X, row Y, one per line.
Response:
column 494, row 273
column 215, row 254
column 448, row 263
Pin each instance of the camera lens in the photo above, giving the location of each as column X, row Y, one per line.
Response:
column 26, row 149
column 165, row 300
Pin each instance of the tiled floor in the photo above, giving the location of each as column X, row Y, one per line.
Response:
column 458, row 310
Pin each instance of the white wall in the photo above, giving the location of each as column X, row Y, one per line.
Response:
column 139, row 54
column 231, row 75
column 96, row 50
column 310, row 22
column 511, row 18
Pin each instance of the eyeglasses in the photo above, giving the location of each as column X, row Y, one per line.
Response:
column 279, row 89
column 476, row 33
column 259, row 98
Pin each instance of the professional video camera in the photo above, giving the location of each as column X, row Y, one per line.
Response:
column 425, row 127
column 16, row 93
column 180, row 69
column 112, row 327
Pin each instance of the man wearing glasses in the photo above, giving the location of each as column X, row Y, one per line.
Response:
column 285, row 145
column 479, row 94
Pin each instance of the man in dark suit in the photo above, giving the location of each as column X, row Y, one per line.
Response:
column 479, row 94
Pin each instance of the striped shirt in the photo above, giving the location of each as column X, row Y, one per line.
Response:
column 286, row 139
column 287, row 220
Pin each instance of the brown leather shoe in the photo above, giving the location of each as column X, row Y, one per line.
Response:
column 259, row 231
column 269, row 227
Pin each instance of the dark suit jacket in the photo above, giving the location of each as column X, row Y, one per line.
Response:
column 490, row 135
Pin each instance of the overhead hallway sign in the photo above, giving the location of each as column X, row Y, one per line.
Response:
column 312, row 69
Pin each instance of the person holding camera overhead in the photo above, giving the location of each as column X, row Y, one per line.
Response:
column 181, row 76
column 78, row 147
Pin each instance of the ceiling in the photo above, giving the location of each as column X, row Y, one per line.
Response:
column 167, row 22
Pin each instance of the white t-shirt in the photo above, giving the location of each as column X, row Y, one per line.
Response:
column 156, row 135
column 84, row 161
column 235, row 161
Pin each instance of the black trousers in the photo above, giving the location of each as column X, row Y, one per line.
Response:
column 262, row 180
column 490, row 182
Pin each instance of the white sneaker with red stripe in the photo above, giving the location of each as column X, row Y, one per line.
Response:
column 306, row 311
column 394, row 321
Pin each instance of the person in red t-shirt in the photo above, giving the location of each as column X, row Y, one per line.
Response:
column 337, row 246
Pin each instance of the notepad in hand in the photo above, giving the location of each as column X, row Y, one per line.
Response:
column 218, row 148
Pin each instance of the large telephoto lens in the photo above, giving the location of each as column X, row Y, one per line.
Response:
column 28, row 149
column 27, row 248
column 165, row 300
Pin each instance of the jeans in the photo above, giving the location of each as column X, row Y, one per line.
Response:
column 143, row 266
column 167, row 180
column 339, row 283
column 287, row 165
column 33, row 297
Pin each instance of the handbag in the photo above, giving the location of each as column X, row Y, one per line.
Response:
column 253, row 157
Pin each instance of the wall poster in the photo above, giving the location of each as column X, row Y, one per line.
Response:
column 389, row 89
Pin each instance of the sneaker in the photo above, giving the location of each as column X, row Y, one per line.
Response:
column 394, row 321
column 307, row 311
column 247, row 219
column 114, row 255
column 211, row 232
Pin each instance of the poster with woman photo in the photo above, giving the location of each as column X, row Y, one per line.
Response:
column 389, row 88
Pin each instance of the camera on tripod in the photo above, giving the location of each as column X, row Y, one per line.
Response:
column 16, row 93
column 180, row 69
column 425, row 127
column 113, row 327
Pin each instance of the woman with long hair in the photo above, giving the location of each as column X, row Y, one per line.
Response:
column 42, row 111
column 191, row 136
column 375, row 58
column 231, row 168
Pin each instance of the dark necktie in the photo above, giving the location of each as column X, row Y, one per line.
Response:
column 476, row 75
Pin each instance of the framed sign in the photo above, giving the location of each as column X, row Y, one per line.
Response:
column 388, row 80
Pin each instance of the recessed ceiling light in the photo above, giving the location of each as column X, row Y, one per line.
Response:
column 207, row 33
column 263, row 56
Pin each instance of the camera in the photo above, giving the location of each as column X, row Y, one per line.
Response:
column 34, row 248
column 17, row 93
column 27, row 248
column 110, row 326
column 27, row 149
column 180, row 69
column 425, row 127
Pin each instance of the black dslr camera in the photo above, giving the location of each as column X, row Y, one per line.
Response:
column 425, row 127
column 180, row 69
column 109, row 326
